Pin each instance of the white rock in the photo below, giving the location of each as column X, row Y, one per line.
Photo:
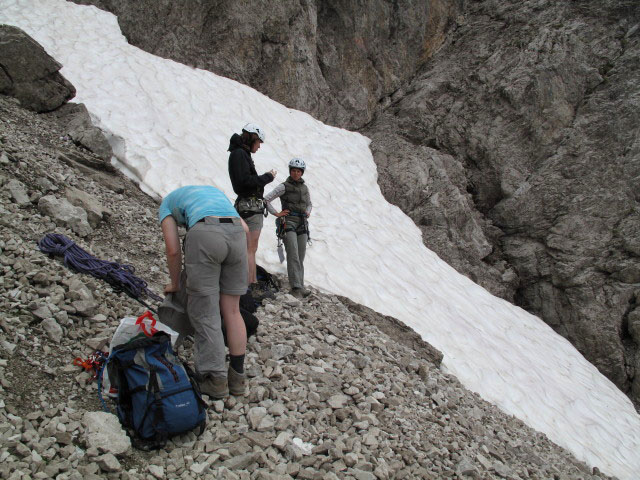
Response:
column 282, row 440
column 104, row 432
column 108, row 463
column 52, row 329
column 255, row 416
column 304, row 447
column 338, row 401
column 157, row 471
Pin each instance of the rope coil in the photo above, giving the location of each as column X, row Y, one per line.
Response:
column 120, row 276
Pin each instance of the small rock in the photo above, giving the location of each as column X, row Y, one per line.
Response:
column 282, row 440
column 466, row 468
column 279, row 352
column 198, row 468
column 18, row 192
column 42, row 312
column 157, row 471
column 52, row 329
column 84, row 308
column 338, row 401
column 240, row 462
column 255, row 416
column 108, row 463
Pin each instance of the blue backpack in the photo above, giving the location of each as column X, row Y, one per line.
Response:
column 157, row 396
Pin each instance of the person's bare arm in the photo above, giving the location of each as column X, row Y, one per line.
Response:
column 174, row 253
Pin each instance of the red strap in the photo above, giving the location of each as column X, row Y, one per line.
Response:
column 78, row 362
column 140, row 321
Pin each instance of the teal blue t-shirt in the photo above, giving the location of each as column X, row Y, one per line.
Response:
column 189, row 204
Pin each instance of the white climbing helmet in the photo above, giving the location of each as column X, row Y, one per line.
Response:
column 297, row 163
column 253, row 128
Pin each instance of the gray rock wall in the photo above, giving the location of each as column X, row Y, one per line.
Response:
column 335, row 59
column 538, row 102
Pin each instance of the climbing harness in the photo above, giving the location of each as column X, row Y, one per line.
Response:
column 281, row 231
column 281, row 227
column 121, row 277
column 250, row 205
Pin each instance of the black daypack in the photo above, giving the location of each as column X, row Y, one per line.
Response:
column 266, row 279
column 251, row 322
column 157, row 395
column 267, row 285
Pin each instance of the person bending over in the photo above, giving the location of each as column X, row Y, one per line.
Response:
column 296, row 208
column 249, row 186
column 215, row 264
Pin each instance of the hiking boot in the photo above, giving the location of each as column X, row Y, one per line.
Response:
column 299, row 292
column 237, row 382
column 215, row 387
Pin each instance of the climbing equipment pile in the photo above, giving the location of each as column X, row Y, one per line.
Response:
column 93, row 363
column 120, row 276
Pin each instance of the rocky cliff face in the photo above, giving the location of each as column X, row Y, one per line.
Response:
column 506, row 130
column 335, row 59
column 536, row 102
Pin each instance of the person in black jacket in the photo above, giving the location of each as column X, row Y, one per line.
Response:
column 249, row 186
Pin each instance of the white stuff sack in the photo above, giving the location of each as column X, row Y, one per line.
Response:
column 131, row 328
column 144, row 325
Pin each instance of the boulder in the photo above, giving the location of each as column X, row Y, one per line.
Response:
column 75, row 118
column 29, row 74
column 95, row 211
column 65, row 214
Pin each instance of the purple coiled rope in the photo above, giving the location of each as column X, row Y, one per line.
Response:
column 120, row 277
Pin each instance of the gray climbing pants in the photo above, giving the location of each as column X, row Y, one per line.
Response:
column 295, row 246
column 215, row 262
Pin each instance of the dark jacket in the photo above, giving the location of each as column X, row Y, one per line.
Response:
column 242, row 171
